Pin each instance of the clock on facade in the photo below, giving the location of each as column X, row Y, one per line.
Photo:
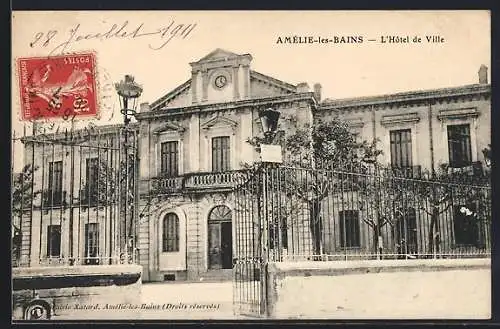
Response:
column 220, row 81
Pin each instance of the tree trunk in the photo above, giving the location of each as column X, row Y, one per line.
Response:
column 316, row 226
column 375, row 238
column 433, row 226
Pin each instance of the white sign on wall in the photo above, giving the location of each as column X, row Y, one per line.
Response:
column 271, row 153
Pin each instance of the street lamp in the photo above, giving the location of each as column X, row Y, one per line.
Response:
column 269, row 121
column 270, row 154
column 487, row 156
column 128, row 92
column 128, row 89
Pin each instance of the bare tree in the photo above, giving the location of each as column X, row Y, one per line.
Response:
column 312, row 155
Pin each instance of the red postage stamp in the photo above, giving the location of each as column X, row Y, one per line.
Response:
column 58, row 86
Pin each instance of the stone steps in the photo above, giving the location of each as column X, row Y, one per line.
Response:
column 217, row 275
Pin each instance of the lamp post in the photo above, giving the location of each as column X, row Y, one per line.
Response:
column 487, row 156
column 128, row 93
column 269, row 121
column 270, row 154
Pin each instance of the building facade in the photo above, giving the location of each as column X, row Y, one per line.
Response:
column 192, row 142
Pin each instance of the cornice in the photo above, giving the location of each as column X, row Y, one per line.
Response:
column 95, row 132
column 388, row 120
column 356, row 123
column 470, row 112
column 235, row 105
column 217, row 120
column 406, row 98
column 169, row 127
column 171, row 94
column 270, row 80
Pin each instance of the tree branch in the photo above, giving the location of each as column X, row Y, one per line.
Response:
column 370, row 222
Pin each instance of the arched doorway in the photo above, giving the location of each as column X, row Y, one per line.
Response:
column 220, row 238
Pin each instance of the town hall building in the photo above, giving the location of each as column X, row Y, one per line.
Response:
column 192, row 142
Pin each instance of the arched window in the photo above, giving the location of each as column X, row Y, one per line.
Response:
column 220, row 214
column 170, row 233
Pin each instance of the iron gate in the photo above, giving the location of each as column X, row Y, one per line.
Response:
column 259, row 199
column 74, row 200
column 248, row 262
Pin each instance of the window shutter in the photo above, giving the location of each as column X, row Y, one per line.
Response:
column 220, row 153
column 169, row 166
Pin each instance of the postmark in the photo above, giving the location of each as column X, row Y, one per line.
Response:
column 58, row 87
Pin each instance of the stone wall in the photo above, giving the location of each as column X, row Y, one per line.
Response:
column 417, row 289
column 79, row 292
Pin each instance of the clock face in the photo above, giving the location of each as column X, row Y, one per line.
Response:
column 220, row 81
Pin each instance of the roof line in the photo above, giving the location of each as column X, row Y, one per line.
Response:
column 406, row 96
column 174, row 92
column 226, row 105
column 283, row 84
column 215, row 51
column 102, row 129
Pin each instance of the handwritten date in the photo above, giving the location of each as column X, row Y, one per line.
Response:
column 162, row 35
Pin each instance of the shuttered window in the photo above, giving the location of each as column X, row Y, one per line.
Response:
column 170, row 233
column 170, row 159
column 53, row 240
column 401, row 154
column 90, row 191
column 349, row 229
column 92, row 243
column 220, row 153
column 54, row 192
column 459, row 147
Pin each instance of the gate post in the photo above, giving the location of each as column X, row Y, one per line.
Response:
column 263, row 240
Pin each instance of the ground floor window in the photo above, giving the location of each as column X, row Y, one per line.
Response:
column 465, row 225
column 349, row 229
column 405, row 232
column 53, row 240
column 92, row 243
column 171, row 233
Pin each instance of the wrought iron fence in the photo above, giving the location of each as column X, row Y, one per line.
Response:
column 372, row 214
column 74, row 201
column 297, row 214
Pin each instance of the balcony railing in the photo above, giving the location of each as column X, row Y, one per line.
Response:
column 194, row 181
column 211, row 180
column 89, row 196
column 473, row 169
column 54, row 198
column 165, row 185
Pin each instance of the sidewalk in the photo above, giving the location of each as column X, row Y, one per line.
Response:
column 193, row 300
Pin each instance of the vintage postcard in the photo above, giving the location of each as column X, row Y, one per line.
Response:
column 251, row 165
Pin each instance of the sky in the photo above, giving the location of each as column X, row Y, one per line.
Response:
column 343, row 69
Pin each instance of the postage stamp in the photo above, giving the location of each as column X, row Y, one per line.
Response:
column 58, row 86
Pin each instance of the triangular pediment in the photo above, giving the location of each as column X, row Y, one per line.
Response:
column 179, row 91
column 266, row 86
column 169, row 127
column 219, row 121
column 218, row 54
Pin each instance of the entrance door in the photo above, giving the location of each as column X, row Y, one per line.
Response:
column 226, row 244
column 220, row 238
